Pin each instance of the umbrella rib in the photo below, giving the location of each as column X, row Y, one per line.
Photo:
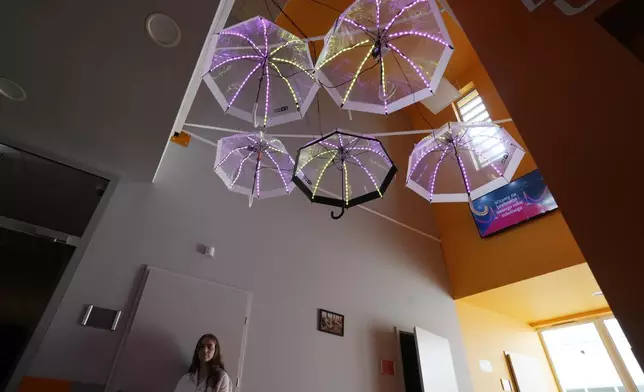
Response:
column 317, row 183
column 244, row 37
column 265, row 36
column 243, row 84
column 359, row 25
column 315, row 157
column 239, row 170
column 413, row 169
column 373, row 180
column 432, row 37
column 433, row 181
column 256, row 177
column 355, row 77
column 322, row 142
column 382, row 81
column 346, row 182
column 297, row 104
column 355, row 142
column 246, row 57
column 283, row 46
column 403, row 9
column 293, row 63
column 413, row 65
column 279, row 170
column 227, row 156
column 342, row 51
column 378, row 15
column 465, row 178
column 277, row 149
column 268, row 89
column 374, row 151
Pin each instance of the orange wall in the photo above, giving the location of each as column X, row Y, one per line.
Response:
column 573, row 90
column 533, row 249
column 487, row 335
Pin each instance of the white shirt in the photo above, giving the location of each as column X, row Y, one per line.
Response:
column 187, row 383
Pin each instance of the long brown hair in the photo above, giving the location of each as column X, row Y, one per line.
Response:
column 216, row 368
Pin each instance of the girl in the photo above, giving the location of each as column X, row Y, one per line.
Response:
column 206, row 373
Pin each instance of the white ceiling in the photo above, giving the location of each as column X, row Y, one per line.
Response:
column 100, row 92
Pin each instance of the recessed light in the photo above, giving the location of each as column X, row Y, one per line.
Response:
column 12, row 90
column 163, row 30
column 597, row 294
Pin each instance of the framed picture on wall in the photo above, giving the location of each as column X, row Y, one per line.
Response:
column 330, row 322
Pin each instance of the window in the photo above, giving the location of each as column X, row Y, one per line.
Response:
column 471, row 108
column 485, row 148
column 592, row 356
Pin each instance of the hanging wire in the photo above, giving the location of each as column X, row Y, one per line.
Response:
column 327, row 6
column 268, row 9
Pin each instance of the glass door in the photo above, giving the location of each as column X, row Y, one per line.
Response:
column 592, row 356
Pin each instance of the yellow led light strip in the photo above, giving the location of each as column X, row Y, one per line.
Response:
column 346, row 183
column 326, row 165
column 294, row 64
column 355, row 77
column 283, row 45
column 297, row 105
column 344, row 50
column 312, row 158
column 382, row 80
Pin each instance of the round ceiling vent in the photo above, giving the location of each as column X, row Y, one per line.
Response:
column 11, row 90
column 163, row 30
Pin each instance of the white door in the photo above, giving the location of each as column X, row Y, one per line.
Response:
column 173, row 312
column 435, row 362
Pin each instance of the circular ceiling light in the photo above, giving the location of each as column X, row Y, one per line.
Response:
column 163, row 30
column 12, row 90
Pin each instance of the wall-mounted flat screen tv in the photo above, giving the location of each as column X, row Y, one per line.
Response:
column 523, row 199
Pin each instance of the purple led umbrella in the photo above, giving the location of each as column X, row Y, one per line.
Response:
column 384, row 55
column 343, row 170
column 261, row 73
column 255, row 165
column 461, row 162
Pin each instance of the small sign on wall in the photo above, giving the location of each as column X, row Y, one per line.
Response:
column 387, row 367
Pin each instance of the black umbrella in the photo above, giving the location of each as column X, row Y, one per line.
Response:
column 357, row 168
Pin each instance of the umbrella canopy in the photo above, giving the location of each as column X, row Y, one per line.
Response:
column 261, row 73
column 463, row 161
column 384, row 55
column 255, row 165
column 355, row 168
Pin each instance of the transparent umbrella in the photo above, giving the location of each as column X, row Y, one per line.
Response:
column 347, row 169
column 255, row 165
column 462, row 162
column 384, row 55
column 261, row 73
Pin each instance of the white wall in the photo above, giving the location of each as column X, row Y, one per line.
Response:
column 288, row 253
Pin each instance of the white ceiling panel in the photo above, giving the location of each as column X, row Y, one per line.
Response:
column 100, row 92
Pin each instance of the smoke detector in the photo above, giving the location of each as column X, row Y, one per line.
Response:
column 12, row 90
column 163, row 30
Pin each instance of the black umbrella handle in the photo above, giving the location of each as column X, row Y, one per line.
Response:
column 334, row 216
